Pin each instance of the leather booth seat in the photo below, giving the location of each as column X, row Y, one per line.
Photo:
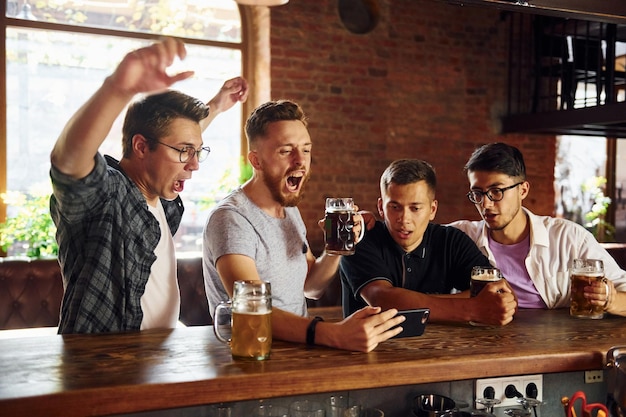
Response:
column 31, row 292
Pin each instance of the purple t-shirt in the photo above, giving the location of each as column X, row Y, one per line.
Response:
column 510, row 260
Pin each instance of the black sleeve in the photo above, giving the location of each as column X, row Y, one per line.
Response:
column 369, row 262
column 463, row 257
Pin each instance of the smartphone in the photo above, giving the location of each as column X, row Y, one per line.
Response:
column 415, row 322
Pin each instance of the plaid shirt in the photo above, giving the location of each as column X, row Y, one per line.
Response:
column 106, row 239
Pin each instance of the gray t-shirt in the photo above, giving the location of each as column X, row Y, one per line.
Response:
column 278, row 247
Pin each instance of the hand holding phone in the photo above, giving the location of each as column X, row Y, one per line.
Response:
column 415, row 322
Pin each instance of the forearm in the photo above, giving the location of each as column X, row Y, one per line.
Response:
column 213, row 112
column 362, row 331
column 74, row 151
column 444, row 308
column 288, row 326
column 233, row 91
column 320, row 275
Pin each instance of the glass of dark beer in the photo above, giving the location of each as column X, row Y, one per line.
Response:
column 481, row 276
column 339, row 236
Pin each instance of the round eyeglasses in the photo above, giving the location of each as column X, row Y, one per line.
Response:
column 187, row 153
column 493, row 194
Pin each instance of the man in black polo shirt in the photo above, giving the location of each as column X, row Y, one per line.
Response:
column 407, row 262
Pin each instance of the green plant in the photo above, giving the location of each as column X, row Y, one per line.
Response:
column 596, row 223
column 245, row 170
column 225, row 184
column 29, row 231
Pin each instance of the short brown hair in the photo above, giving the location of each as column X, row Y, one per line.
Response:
column 272, row 111
column 152, row 116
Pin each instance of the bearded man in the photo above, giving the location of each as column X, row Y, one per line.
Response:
column 257, row 233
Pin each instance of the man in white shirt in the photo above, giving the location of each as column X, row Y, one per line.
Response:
column 532, row 251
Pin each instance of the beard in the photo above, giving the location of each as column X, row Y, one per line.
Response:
column 275, row 185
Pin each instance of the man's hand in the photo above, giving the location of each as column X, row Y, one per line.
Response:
column 144, row 70
column 363, row 330
column 233, row 91
column 368, row 219
column 496, row 304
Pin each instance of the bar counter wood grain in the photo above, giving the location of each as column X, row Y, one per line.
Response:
column 89, row 375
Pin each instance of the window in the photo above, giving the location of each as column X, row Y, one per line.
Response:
column 582, row 179
column 584, row 175
column 59, row 52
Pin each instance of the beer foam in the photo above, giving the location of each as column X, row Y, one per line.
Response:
column 588, row 274
column 258, row 312
column 486, row 277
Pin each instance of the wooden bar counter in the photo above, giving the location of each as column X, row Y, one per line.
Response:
column 88, row 375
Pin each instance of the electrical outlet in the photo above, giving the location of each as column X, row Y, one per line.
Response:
column 521, row 383
column 594, row 376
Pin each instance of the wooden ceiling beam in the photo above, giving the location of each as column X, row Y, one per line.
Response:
column 609, row 11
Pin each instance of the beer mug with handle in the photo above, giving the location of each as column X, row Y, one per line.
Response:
column 582, row 273
column 249, row 314
column 339, row 237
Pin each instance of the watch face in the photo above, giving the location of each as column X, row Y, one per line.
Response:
column 359, row 16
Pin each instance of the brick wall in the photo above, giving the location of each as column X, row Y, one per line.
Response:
column 428, row 82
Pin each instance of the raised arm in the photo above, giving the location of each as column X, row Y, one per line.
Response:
column 233, row 91
column 141, row 71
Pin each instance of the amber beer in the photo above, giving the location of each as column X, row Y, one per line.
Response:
column 245, row 321
column 583, row 272
column 481, row 276
column 251, row 335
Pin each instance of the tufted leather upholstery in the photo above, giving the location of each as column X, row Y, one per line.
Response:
column 31, row 292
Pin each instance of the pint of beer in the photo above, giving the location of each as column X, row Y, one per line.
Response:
column 481, row 276
column 582, row 273
column 248, row 316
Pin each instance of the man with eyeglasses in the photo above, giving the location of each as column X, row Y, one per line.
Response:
column 115, row 220
column 532, row 251
column 405, row 261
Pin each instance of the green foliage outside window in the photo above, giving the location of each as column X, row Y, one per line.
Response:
column 227, row 183
column 30, row 230
column 595, row 217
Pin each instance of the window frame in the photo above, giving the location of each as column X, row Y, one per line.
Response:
column 254, row 43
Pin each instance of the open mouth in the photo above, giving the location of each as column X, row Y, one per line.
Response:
column 489, row 216
column 179, row 185
column 294, row 181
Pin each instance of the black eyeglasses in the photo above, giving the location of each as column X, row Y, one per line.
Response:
column 494, row 194
column 187, row 153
